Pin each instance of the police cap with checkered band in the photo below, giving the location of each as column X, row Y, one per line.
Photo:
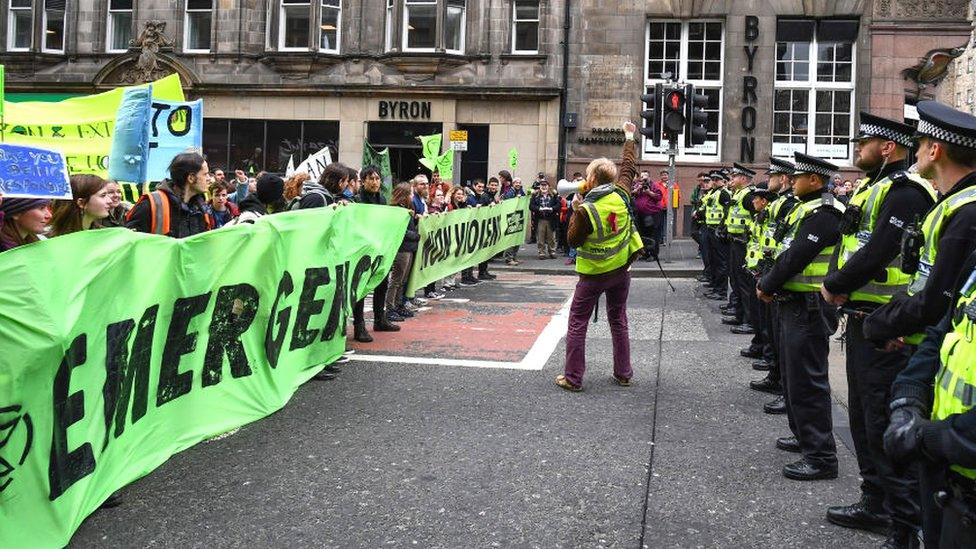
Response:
column 942, row 122
column 777, row 166
column 811, row 164
column 889, row 130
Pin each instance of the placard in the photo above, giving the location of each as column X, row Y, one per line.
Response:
column 33, row 172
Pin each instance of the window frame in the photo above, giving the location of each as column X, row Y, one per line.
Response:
column 538, row 27
column 64, row 29
column 405, row 26
column 390, row 27
column 11, row 22
column 442, row 33
column 186, row 27
column 109, row 34
column 648, row 151
column 338, row 41
column 281, row 27
column 812, row 85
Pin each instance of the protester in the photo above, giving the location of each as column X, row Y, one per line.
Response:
column 239, row 187
column 514, row 191
column 400, row 271
column 545, row 207
column 438, row 202
column 293, row 188
column 421, row 192
column 89, row 205
column 222, row 210
column 266, row 199
column 24, row 221
column 179, row 201
column 478, row 196
column 117, row 207
column 493, row 190
column 458, row 199
column 325, row 191
column 505, row 181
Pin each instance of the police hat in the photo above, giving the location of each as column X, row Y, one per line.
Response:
column 762, row 191
column 718, row 174
column 777, row 166
column 942, row 122
column 739, row 169
column 811, row 164
column 875, row 126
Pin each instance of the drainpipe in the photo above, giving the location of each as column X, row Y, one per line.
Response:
column 564, row 93
column 240, row 30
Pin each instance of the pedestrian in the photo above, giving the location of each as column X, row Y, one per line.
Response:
column 544, row 206
column 177, row 208
column 24, row 221
column 864, row 276
column 400, row 272
column 89, row 205
column 805, row 321
column 607, row 242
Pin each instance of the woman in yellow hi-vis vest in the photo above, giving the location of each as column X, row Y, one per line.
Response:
column 602, row 229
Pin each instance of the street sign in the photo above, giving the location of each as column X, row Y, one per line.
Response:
column 459, row 145
column 459, row 135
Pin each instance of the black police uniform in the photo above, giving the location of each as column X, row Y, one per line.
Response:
column 718, row 251
column 805, row 323
column 743, row 285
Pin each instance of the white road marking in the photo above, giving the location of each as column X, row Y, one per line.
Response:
column 535, row 359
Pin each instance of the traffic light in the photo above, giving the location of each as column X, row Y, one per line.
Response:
column 652, row 115
column 695, row 117
column 674, row 113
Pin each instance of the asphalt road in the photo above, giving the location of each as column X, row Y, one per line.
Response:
column 430, row 455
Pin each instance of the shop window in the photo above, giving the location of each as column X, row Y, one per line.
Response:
column 813, row 102
column 53, row 24
column 256, row 145
column 20, row 25
column 330, row 18
column 294, row 25
column 196, row 27
column 119, row 28
column 692, row 52
column 525, row 27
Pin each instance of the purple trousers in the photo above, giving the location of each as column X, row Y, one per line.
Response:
column 588, row 291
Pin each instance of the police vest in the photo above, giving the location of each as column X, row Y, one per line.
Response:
column 738, row 219
column 754, row 247
column 932, row 230
column 613, row 239
column 813, row 274
column 776, row 214
column 955, row 384
column 868, row 199
column 714, row 211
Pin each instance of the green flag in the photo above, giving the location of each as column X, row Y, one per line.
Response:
column 513, row 158
column 445, row 165
column 381, row 161
column 108, row 379
column 432, row 146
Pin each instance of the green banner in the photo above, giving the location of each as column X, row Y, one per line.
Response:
column 460, row 239
column 102, row 380
column 431, row 145
column 80, row 127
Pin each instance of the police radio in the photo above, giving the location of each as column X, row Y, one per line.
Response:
column 850, row 220
column 780, row 233
column 911, row 247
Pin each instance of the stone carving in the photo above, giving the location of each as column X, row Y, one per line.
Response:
column 921, row 9
column 150, row 42
column 931, row 68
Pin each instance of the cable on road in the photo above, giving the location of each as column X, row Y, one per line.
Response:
column 657, row 386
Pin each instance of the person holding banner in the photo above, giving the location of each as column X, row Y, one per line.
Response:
column 24, row 221
column 90, row 205
column 177, row 207
column 401, row 265
column 603, row 231
column 117, row 208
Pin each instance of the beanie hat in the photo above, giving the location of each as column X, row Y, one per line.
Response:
column 270, row 188
column 14, row 206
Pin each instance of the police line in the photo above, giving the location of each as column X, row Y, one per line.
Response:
column 122, row 349
column 463, row 238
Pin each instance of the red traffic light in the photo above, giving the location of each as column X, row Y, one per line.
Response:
column 675, row 100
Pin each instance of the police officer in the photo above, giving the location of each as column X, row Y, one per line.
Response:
column 945, row 444
column 806, row 321
column 865, row 273
column 700, row 227
column 737, row 226
column 947, row 157
column 780, row 182
column 716, row 207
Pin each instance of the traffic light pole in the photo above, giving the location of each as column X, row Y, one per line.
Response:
column 672, row 177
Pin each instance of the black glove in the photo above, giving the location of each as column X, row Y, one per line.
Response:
column 903, row 437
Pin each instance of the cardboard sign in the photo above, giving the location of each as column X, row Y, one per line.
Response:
column 32, row 172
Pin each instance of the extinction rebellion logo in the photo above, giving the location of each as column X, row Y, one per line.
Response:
column 16, row 438
column 516, row 222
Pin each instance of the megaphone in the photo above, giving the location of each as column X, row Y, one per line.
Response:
column 567, row 188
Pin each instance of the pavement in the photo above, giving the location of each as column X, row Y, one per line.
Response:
column 461, row 443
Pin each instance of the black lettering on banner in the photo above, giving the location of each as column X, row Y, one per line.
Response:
column 157, row 108
column 233, row 314
column 179, row 341
column 182, row 114
column 749, row 118
column 752, row 28
column 460, row 230
column 364, row 264
column 127, row 373
column 308, row 306
column 68, row 467
column 272, row 345
column 57, row 131
column 747, row 149
column 474, row 236
column 337, row 314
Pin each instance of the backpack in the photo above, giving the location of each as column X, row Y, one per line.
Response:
column 159, row 213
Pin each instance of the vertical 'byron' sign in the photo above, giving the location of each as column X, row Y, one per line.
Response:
column 747, row 146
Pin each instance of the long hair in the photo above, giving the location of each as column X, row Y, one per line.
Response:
column 10, row 236
column 67, row 215
column 332, row 176
column 450, row 197
column 293, row 187
column 402, row 196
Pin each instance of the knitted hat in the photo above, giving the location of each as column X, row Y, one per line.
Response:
column 14, row 206
column 270, row 188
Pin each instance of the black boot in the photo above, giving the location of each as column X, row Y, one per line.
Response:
column 766, row 385
column 775, row 407
column 901, row 536
column 382, row 324
column 867, row 514
column 360, row 333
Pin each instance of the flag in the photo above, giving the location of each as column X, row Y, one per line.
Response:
column 314, row 165
column 431, row 145
column 445, row 165
column 290, row 170
column 381, row 161
column 513, row 158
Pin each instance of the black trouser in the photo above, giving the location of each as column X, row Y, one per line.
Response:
column 765, row 329
column 806, row 323
column 645, row 226
column 737, row 271
column 660, row 231
column 703, row 249
column 483, row 268
column 870, row 373
column 777, row 370
column 379, row 303
column 958, row 517
column 718, row 252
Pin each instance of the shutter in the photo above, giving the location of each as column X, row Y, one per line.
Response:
column 794, row 30
column 837, row 30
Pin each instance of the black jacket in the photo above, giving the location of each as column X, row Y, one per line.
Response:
column 540, row 201
column 184, row 219
column 411, row 238
column 365, row 197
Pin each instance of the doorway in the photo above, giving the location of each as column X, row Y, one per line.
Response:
column 405, row 149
